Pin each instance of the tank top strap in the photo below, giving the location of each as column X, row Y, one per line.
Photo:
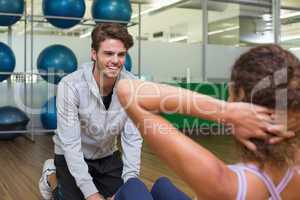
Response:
column 265, row 178
column 285, row 180
column 242, row 182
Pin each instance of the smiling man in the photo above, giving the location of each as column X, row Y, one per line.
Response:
column 87, row 163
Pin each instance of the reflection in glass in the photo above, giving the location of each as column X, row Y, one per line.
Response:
column 169, row 21
column 239, row 24
column 290, row 26
column 290, row 3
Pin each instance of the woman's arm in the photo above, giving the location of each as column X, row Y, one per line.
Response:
column 197, row 166
column 249, row 120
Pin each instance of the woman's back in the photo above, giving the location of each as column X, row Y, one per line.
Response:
column 291, row 192
column 258, row 76
column 272, row 183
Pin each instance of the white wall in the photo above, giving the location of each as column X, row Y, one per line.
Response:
column 162, row 61
column 220, row 59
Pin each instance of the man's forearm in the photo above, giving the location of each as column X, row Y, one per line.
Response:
column 131, row 142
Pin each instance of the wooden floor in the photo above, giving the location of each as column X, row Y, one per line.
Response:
column 20, row 167
column 21, row 163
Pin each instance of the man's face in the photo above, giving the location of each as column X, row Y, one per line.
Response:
column 110, row 57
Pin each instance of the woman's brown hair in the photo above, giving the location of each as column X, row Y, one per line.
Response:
column 269, row 76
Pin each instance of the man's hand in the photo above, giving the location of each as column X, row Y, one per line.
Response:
column 250, row 121
column 95, row 196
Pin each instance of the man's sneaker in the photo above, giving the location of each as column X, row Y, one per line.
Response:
column 44, row 186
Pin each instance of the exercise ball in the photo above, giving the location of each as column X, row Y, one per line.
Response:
column 128, row 63
column 7, row 61
column 10, row 6
column 119, row 10
column 63, row 8
column 56, row 59
column 48, row 114
column 12, row 119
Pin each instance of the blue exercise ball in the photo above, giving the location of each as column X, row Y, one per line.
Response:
column 128, row 63
column 63, row 8
column 12, row 119
column 10, row 6
column 56, row 59
column 7, row 61
column 48, row 114
column 119, row 10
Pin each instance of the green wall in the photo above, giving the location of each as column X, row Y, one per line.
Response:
column 217, row 90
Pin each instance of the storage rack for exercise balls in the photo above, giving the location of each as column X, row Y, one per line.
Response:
column 28, row 19
column 8, row 80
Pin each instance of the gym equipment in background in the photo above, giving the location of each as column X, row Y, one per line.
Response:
column 56, row 59
column 119, row 10
column 63, row 8
column 48, row 114
column 11, row 7
column 7, row 61
column 128, row 63
column 12, row 119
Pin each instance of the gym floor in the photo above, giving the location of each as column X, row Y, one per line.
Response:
column 21, row 164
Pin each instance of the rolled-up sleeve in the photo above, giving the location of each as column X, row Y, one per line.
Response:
column 131, row 142
column 68, row 132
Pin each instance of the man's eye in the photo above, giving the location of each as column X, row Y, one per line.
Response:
column 109, row 53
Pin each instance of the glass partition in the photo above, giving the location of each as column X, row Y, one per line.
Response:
column 171, row 37
column 290, row 26
column 232, row 29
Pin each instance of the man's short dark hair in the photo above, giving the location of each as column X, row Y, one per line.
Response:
column 116, row 31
